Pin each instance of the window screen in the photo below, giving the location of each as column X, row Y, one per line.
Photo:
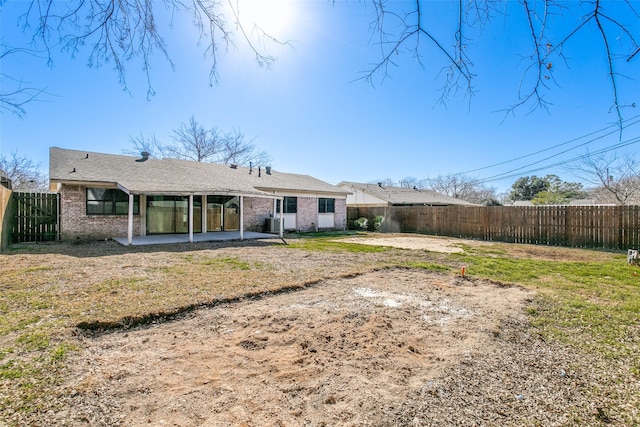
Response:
column 110, row 201
column 326, row 205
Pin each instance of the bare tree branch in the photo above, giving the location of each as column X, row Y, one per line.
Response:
column 117, row 32
column 615, row 178
column 410, row 28
column 23, row 173
column 543, row 62
column 192, row 141
column 149, row 144
column 461, row 187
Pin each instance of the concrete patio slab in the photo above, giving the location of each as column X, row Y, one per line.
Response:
column 218, row 236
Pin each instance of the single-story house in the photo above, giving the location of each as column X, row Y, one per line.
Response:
column 379, row 195
column 106, row 196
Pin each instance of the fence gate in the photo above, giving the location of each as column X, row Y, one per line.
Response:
column 36, row 218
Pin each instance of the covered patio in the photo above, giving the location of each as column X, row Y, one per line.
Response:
column 217, row 236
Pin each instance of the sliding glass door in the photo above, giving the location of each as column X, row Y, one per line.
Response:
column 170, row 214
column 223, row 213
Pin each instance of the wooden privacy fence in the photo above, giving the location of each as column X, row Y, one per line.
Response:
column 610, row 227
column 35, row 217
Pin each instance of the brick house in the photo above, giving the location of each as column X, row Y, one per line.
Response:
column 379, row 195
column 106, row 196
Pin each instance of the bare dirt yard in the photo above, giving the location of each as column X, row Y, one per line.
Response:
column 370, row 347
column 344, row 352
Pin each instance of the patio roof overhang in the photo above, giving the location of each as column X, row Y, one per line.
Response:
column 190, row 190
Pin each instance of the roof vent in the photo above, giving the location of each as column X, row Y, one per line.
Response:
column 144, row 157
column 268, row 170
column 233, row 166
column 380, row 185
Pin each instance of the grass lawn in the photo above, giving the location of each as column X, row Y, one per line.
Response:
column 49, row 294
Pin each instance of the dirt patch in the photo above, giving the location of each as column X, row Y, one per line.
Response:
column 411, row 242
column 453, row 245
column 344, row 352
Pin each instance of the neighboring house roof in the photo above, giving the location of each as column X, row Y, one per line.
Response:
column 402, row 195
column 574, row 202
column 172, row 176
column 4, row 180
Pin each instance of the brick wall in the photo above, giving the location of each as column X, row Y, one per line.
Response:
column 256, row 211
column 307, row 218
column 76, row 224
column 341, row 214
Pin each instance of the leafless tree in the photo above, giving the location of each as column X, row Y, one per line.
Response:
column 149, row 144
column 119, row 31
column 402, row 27
column 237, row 150
column 412, row 182
column 614, row 178
column 192, row 141
column 24, row 174
column 15, row 92
column 386, row 182
column 461, row 187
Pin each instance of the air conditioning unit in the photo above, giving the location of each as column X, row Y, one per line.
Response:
column 274, row 225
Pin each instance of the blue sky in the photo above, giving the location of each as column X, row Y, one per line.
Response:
column 313, row 116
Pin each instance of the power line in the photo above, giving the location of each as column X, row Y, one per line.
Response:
column 616, row 130
column 509, row 174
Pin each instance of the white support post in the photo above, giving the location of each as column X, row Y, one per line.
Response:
column 130, row 221
column 241, row 217
column 143, row 214
column 203, row 204
column 191, row 218
column 281, row 218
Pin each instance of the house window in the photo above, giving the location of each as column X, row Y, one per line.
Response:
column 326, row 205
column 110, row 201
column 290, row 205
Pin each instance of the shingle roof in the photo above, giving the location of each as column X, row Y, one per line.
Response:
column 403, row 195
column 171, row 176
